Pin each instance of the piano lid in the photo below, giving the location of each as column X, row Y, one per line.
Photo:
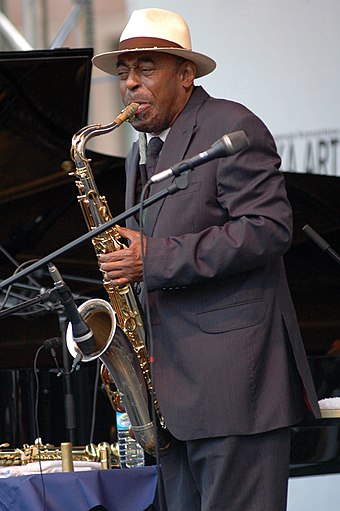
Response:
column 313, row 276
column 43, row 101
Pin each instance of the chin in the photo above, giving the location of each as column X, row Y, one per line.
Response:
column 139, row 126
column 142, row 125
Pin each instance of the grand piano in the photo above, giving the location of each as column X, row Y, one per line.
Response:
column 43, row 102
column 44, row 99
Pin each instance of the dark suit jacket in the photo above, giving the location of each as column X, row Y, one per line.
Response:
column 228, row 353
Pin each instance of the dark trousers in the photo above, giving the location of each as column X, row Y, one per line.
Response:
column 238, row 473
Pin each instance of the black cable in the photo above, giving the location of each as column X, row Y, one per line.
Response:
column 49, row 344
column 94, row 406
column 37, row 423
column 150, row 349
column 15, row 262
column 62, row 372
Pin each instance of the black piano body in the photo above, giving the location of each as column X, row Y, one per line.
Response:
column 314, row 279
column 44, row 98
column 43, row 102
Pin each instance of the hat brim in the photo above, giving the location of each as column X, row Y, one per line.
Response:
column 107, row 61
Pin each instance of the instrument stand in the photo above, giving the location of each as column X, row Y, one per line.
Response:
column 69, row 406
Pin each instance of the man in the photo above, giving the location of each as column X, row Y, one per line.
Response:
column 230, row 370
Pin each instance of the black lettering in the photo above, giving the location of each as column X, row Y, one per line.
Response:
column 309, row 159
column 323, row 156
column 334, row 146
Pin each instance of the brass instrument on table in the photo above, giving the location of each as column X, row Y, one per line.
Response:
column 66, row 457
column 117, row 327
column 47, row 452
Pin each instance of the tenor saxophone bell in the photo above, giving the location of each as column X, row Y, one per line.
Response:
column 116, row 352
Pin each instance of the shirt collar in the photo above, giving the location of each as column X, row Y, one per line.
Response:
column 162, row 135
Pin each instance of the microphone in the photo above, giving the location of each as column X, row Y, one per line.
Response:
column 82, row 333
column 52, row 343
column 225, row 146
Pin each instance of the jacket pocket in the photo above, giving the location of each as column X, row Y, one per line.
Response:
column 232, row 317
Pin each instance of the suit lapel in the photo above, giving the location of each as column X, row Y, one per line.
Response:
column 131, row 167
column 174, row 150
column 166, row 159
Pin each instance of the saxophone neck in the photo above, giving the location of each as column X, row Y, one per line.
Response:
column 82, row 136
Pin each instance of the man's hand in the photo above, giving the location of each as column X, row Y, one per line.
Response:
column 124, row 266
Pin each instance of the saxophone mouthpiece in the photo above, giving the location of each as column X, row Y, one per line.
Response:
column 127, row 114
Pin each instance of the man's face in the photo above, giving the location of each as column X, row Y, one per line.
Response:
column 160, row 83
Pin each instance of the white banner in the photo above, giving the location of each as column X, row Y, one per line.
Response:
column 280, row 58
column 313, row 152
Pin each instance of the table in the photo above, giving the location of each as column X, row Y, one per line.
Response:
column 116, row 490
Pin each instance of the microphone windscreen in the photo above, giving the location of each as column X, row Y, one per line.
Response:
column 238, row 140
column 54, row 342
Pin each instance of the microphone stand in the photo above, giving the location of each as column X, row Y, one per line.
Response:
column 320, row 242
column 42, row 298
column 178, row 184
column 69, row 402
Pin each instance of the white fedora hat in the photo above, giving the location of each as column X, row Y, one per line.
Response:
column 155, row 30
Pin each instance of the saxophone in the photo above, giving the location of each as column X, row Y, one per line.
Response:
column 117, row 326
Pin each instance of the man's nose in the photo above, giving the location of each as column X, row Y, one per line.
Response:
column 133, row 79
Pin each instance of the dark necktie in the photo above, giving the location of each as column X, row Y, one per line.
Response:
column 148, row 169
column 152, row 152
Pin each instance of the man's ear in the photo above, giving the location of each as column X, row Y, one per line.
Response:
column 188, row 73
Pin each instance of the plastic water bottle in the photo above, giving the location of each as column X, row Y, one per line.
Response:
column 130, row 452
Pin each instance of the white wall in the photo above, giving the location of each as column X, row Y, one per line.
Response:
column 281, row 59
column 314, row 493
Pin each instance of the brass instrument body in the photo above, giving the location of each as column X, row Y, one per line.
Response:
column 66, row 457
column 47, row 452
column 118, row 327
